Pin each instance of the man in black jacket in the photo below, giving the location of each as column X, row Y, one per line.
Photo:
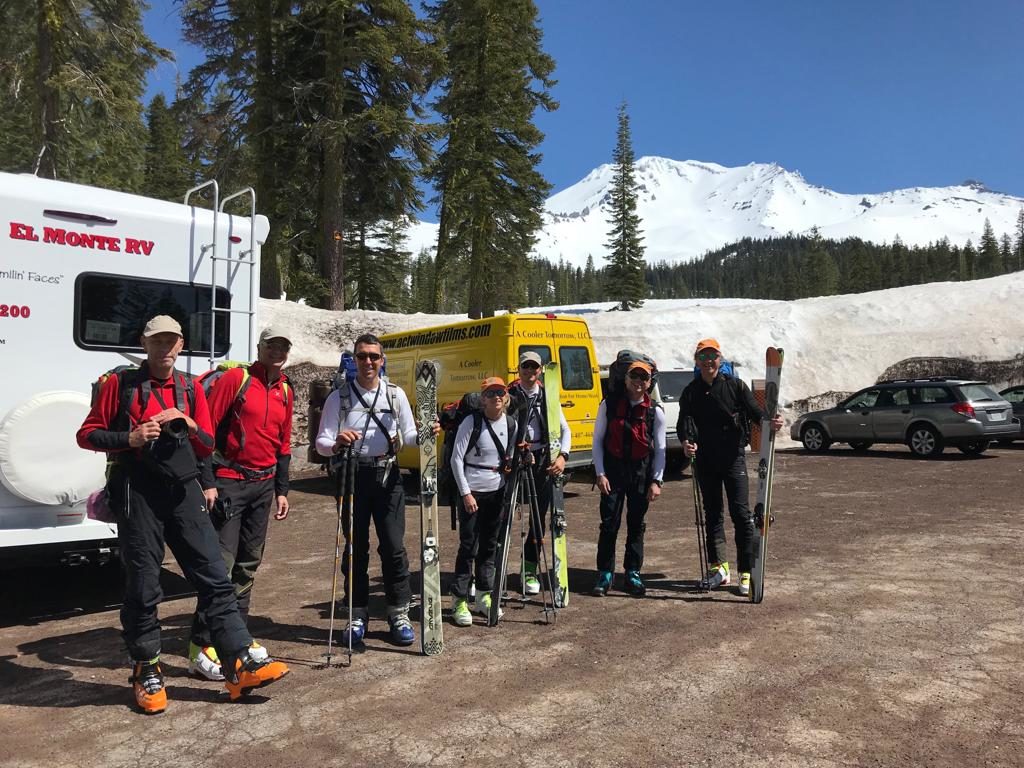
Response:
column 721, row 407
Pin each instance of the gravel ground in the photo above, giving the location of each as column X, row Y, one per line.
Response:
column 890, row 635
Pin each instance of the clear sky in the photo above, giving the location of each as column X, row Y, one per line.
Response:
column 859, row 97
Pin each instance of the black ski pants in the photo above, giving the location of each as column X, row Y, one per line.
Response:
column 150, row 514
column 241, row 519
column 730, row 471
column 379, row 497
column 545, row 490
column 478, row 541
column 628, row 481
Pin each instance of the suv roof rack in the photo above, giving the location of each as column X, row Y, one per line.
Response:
column 911, row 381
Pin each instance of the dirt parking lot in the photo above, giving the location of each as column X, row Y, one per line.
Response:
column 891, row 635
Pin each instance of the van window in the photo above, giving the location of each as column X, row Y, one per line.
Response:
column 544, row 352
column 111, row 310
column 575, row 365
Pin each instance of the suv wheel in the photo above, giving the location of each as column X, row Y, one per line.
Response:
column 814, row 439
column 861, row 446
column 974, row 449
column 924, row 441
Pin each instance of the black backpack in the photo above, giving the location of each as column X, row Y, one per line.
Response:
column 451, row 416
column 617, row 371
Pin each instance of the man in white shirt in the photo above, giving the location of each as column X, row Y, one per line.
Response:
column 375, row 421
column 528, row 393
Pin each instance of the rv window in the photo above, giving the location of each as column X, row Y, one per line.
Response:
column 110, row 311
column 576, row 370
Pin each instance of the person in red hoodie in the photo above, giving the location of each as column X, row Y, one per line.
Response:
column 252, row 408
column 154, row 424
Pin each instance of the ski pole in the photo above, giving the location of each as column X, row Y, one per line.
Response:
column 698, row 507
column 351, row 468
column 341, row 478
column 542, row 564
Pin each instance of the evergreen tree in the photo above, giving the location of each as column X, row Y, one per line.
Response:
column 167, row 173
column 1018, row 246
column 490, row 192
column 990, row 260
column 625, row 273
column 590, row 289
column 72, row 75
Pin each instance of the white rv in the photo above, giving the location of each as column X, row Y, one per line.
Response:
column 81, row 269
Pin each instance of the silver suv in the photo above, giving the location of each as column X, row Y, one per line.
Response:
column 924, row 414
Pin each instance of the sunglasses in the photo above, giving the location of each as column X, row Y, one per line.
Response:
column 373, row 357
column 707, row 355
column 640, row 375
column 279, row 346
column 494, row 393
column 530, row 366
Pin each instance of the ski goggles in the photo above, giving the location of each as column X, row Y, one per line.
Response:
column 706, row 355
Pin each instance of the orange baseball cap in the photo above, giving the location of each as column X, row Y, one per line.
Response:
column 708, row 344
column 641, row 366
column 493, row 382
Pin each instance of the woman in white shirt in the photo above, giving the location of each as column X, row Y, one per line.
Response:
column 480, row 465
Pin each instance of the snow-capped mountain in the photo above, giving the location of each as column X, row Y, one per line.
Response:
column 689, row 207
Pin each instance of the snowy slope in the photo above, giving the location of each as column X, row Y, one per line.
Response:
column 832, row 343
column 689, row 207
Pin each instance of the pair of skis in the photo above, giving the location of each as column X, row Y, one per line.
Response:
column 763, row 517
column 431, row 634
column 558, row 577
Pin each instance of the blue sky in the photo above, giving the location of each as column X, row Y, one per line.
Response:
column 859, row 97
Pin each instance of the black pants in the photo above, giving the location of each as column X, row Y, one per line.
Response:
column 628, row 489
column 242, row 530
column 544, row 484
column 731, row 471
column 478, row 540
column 150, row 513
column 378, row 496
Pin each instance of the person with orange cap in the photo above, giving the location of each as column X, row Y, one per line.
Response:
column 629, row 462
column 721, row 407
column 480, row 464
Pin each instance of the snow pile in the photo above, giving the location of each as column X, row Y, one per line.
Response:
column 837, row 343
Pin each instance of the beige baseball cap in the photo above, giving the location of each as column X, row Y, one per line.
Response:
column 162, row 324
column 275, row 332
column 530, row 357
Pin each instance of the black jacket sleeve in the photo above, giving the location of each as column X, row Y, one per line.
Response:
column 281, row 475
column 749, row 404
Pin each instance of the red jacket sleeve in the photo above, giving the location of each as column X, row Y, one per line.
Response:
column 95, row 433
column 286, row 433
column 222, row 395
column 202, row 441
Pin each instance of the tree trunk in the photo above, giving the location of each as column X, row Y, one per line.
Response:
column 332, row 222
column 47, row 101
column 262, row 131
column 441, row 257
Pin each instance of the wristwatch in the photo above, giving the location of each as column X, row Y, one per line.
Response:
column 659, row 483
column 564, row 455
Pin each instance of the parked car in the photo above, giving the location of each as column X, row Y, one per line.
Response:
column 924, row 414
column 1015, row 397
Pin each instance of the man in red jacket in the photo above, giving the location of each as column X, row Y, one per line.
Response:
column 252, row 408
column 155, row 425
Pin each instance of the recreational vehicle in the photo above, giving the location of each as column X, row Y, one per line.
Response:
column 81, row 269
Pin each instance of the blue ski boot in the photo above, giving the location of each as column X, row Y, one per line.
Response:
column 633, row 584
column 603, row 584
column 400, row 627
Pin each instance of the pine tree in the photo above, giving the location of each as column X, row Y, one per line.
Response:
column 1018, row 246
column 72, row 77
column 490, row 192
column 625, row 273
column 990, row 260
column 167, row 173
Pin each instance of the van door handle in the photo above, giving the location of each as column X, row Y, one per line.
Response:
column 905, row 410
column 568, row 404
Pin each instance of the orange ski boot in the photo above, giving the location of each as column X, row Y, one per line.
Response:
column 148, row 683
column 243, row 673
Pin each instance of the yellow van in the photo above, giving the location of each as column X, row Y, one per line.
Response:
column 469, row 351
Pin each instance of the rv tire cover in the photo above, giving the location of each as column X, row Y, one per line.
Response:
column 40, row 459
